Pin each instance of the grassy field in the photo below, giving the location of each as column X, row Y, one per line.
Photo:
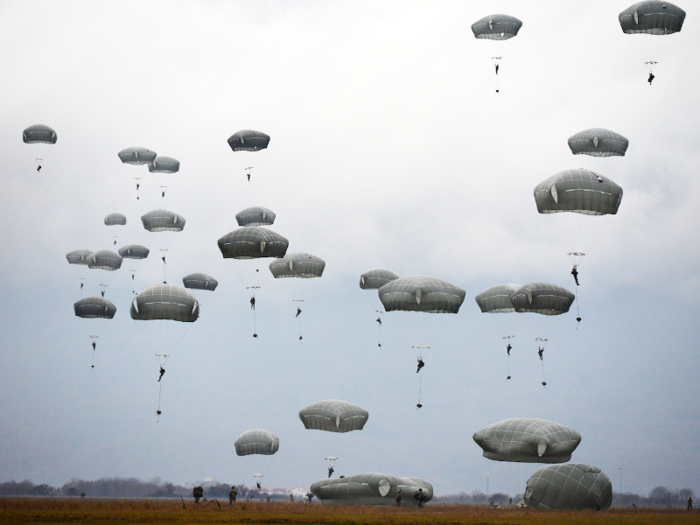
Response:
column 55, row 510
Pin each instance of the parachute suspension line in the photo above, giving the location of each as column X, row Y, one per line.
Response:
column 159, row 411
column 420, row 391
column 163, row 254
column 497, row 66
column 379, row 328
column 299, row 316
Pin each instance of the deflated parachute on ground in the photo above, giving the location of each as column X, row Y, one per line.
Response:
column 200, row 281
column 300, row 265
column 252, row 243
column 95, row 308
column 496, row 27
column 578, row 191
column 376, row 278
column 333, row 415
column 569, row 486
column 256, row 216
column 527, row 440
column 420, row 293
column 257, row 441
column 598, row 142
column 371, row 489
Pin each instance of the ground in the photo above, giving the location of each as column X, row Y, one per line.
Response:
column 75, row 510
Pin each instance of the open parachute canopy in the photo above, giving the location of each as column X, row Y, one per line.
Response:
column 300, row 265
column 252, row 242
column 652, row 17
column 527, row 440
column 578, row 191
column 248, row 140
column 78, row 257
column 371, row 489
column 165, row 302
column 39, row 134
column 115, row 219
column 163, row 221
column 164, row 165
column 95, row 308
column 104, row 260
column 598, row 142
column 375, row 278
column 420, row 293
column 569, row 486
column 496, row 27
column 257, row 441
column 333, row 415
column 256, row 216
column 200, row 281
column 497, row 298
column 134, row 251
column 137, row 156
column 542, row 298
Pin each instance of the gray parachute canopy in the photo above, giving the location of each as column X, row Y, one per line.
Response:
column 496, row 27
column 376, row 278
column 496, row 299
column 598, row 142
column 542, row 298
column 165, row 302
column 333, row 415
column 164, row 165
column 115, row 219
column 39, row 134
column 653, row 17
column 134, row 251
column 301, row 265
column 569, row 486
column 252, row 243
column 200, row 281
column 104, row 260
column 248, row 140
column 257, row 441
column 78, row 257
column 578, row 191
column 256, row 216
column 163, row 221
column 420, row 293
column 528, row 440
column 137, row 156
column 95, row 308
column 371, row 489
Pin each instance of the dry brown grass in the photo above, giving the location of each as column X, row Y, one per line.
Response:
column 55, row 510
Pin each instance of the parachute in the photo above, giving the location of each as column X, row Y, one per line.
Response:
column 376, row 278
column 40, row 138
column 134, row 251
column 371, row 489
column 200, row 281
column 252, row 243
column 569, row 486
column 115, row 219
column 163, row 221
column 94, row 308
column 542, row 298
column 648, row 21
column 598, row 142
column 527, row 440
column 164, row 165
column 578, row 191
column 497, row 298
column 104, row 260
column 78, row 257
column 137, row 156
column 256, row 216
column 300, row 265
column 421, row 294
column 496, row 27
column 257, row 441
column 333, row 415
column 248, row 140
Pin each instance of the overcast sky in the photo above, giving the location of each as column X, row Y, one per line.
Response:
column 390, row 148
